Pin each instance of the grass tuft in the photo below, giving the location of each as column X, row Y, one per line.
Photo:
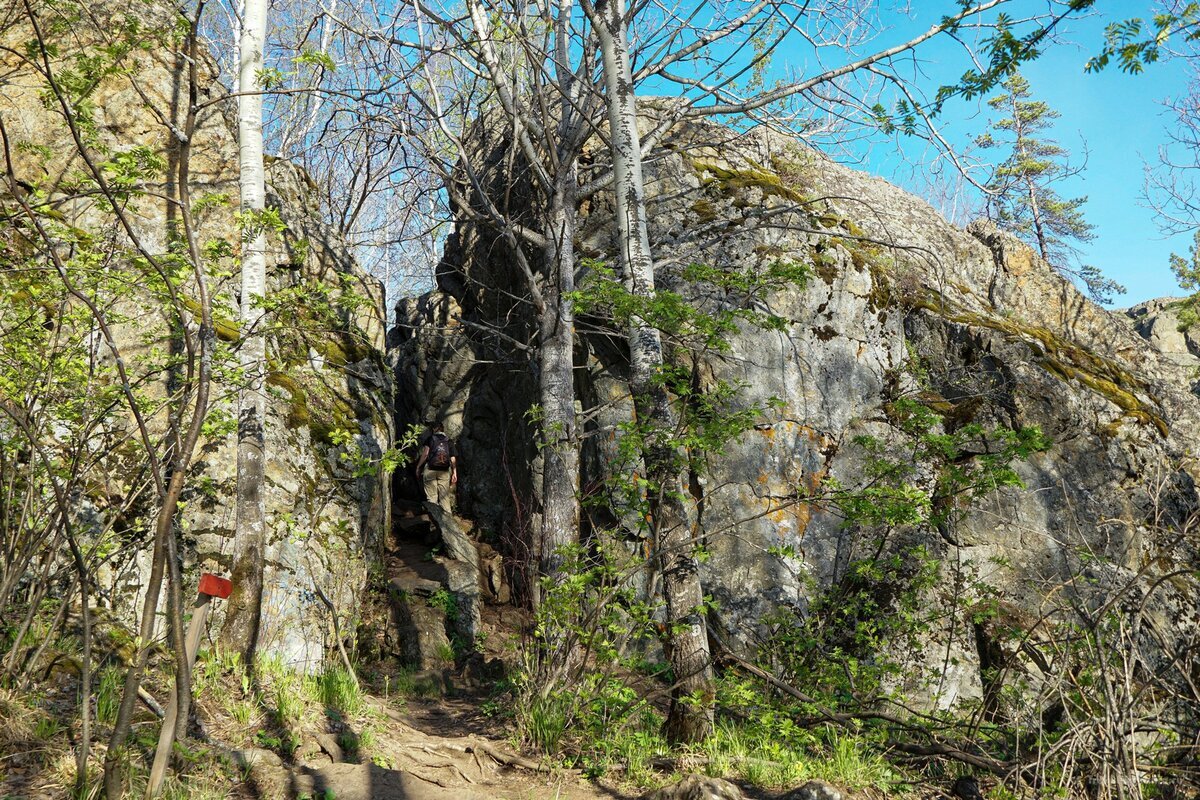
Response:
column 336, row 688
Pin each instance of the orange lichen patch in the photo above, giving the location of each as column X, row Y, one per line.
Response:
column 803, row 512
column 1019, row 261
column 763, row 478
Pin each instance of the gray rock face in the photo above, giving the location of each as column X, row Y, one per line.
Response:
column 900, row 304
column 420, row 625
column 815, row 790
column 697, row 787
column 1158, row 322
column 323, row 520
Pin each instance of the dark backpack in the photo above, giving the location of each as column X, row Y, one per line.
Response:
column 439, row 451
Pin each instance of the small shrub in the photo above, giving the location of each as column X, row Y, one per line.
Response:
column 445, row 601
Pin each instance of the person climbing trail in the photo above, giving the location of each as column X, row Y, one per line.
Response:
column 437, row 467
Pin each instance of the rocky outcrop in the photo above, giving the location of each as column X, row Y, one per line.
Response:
column 1159, row 323
column 330, row 392
column 899, row 304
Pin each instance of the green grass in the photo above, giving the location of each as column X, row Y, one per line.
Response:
column 46, row 728
column 176, row 789
column 243, row 711
column 446, row 653
column 108, row 695
column 757, row 753
column 407, row 683
column 336, row 688
column 763, row 746
column 543, row 722
column 207, row 673
column 290, row 702
column 852, row 762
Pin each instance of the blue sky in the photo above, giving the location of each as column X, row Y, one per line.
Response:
column 1122, row 121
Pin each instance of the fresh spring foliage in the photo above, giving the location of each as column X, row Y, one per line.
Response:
column 608, row 716
column 697, row 318
column 1135, row 44
column 698, row 326
column 849, row 645
column 592, row 619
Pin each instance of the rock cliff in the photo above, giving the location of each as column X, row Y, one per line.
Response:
column 323, row 517
column 900, row 303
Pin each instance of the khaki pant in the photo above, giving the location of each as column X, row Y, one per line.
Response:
column 437, row 487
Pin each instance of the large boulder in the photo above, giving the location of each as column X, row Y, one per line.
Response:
column 900, row 303
column 1160, row 323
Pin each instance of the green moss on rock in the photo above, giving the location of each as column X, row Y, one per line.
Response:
column 317, row 408
column 343, row 347
column 705, row 210
column 227, row 330
column 735, row 180
column 1059, row 357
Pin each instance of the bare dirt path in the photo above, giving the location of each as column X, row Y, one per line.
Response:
column 439, row 748
column 414, row 765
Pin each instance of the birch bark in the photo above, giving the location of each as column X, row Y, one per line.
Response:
column 686, row 640
column 243, row 615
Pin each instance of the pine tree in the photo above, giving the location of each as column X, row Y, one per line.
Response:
column 1022, row 196
column 1187, row 272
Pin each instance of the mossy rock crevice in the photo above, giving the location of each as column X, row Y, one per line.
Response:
column 733, row 181
column 317, row 408
column 1059, row 357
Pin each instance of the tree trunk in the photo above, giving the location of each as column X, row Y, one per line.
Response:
column 558, row 656
column 1031, row 188
column 114, row 780
column 691, row 713
column 245, row 605
column 560, row 445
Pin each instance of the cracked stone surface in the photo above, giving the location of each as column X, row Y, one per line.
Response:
column 1000, row 339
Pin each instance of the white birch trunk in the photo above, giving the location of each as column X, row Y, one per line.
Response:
column 244, row 609
column 691, row 713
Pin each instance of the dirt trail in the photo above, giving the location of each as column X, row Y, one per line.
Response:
column 431, row 749
column 423, row 766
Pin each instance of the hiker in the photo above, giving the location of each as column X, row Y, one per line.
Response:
column 437, row 467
